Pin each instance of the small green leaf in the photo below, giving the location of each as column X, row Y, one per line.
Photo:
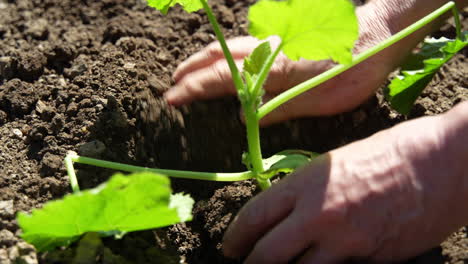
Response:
column 254, row 62
column 309, row 29
column 286, row 161
column 123, row 204
column 419, row 71
column 187, row 5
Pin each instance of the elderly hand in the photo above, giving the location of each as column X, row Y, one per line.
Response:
column 385, row 198
column 206, row 74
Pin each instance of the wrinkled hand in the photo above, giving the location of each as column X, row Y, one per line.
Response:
column 206, row 75
column 385, row 198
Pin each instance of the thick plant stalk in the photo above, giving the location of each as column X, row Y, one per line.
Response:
column 250, row 111
column 253, row 138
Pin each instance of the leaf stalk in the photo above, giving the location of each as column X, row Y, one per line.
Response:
column 458, row 26
column 71, row 172
column 208, row 176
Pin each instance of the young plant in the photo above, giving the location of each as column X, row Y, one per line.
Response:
column 123, row 204
column 330, row 35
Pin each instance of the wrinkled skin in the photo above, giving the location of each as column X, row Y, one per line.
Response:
column 381, row 199
column 384, row 198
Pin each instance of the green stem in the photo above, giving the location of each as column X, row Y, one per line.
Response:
column 227, row 53
column 71, row 173
column 209, row 176
column 319, row 79
column 264, row 71
column 253, row 140
column 253, row 135
column 458, row 26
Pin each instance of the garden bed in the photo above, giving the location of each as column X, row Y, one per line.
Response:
column 88, row 76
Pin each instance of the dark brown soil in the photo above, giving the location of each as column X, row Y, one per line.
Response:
column 88, row 76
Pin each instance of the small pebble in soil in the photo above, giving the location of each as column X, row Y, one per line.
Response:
column 46, row 112
column 6, row 209
column 17, row 133
column 129, row 65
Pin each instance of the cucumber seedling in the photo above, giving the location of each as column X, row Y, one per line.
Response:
column 330, row 35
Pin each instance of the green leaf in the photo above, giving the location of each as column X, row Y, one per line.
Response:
column 187, row 5
column 123, row 204
column 419, row 71
column 252, row 67
column 286, row 161
column 309, row 29
column 254, row 62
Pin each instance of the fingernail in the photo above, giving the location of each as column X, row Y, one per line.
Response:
column 174, row 76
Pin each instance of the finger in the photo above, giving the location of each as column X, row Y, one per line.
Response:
column 213, row 81
column 285, row 241
column 319, row 255
column 239, row 47
column 256, row 218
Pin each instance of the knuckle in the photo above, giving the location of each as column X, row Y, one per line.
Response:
column 194, row 89
column 220, row 71
column 213, row 50
column 335, row 209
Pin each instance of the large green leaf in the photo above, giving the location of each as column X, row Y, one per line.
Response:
column 420, row 69
column 123, row 204
column 187, row 5
column 310, row 29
